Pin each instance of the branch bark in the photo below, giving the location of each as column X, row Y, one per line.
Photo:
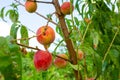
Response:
column 69, row 45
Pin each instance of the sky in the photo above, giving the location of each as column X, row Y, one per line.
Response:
column 30, row 20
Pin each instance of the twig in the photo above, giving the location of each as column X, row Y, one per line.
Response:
column 24, row 38
column 41, row 1
column 62, row 58
column 50, row 18
column 46, row 18
column 58, row 45
column 85, row 33
column 40, row 49
column 28, row 46
column 110, row 45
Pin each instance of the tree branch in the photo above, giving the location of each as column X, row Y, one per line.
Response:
column 68, row 41
column 40, row 49
column 28, row 46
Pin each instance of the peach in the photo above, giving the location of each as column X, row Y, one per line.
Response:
column 45, row 35
column 80, row 55
column 59, row 62
column 90, row 79
column 87, row 20
column 30, row 6
column 67, row 8
column 42, row 60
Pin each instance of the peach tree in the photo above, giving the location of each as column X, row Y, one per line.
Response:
column 89, row 48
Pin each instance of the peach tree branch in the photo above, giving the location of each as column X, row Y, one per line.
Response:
column 69, row 45
column 36, row 48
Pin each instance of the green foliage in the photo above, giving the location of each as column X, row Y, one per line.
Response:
column 13, row 15
column 2, row 13
column 24, row 35
column 10, row 58
column 98, row 39
column 14, row 29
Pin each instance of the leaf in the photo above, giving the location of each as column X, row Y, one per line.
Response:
column 4, row 61
column 24, row 35
column 83, row 7
column 76, row 67
column 97, row 64
column 77, row 6
column 13, row 30
column 13, row 15
column 104, row 65
column 95, row 37
column 49, row 16
column 76, row 21
column 2, row 13
column 8, row 12
column 59, row 31
column 114, row 55
column 10, row 60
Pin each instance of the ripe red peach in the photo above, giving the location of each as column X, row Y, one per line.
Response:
column 59, row 62
column 42, row 60
column 30, row 6
column 45, row 35
column 67, row 8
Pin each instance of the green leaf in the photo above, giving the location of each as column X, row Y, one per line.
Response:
column 76, row 21
column 76, row 67
column 83, row 9
column 4, row 61
column 95, row 37
column 77, row 6
column 97, row 64
column 114, row 55
column 2, row 13
column 59, row 31
column 24, row 35
column 14, row 29
column 13, row 15
column 49, row 16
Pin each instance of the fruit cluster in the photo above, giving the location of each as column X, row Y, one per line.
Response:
column 43, row 59
column 45, row 35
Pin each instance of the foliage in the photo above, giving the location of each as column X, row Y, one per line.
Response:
column 98, row 39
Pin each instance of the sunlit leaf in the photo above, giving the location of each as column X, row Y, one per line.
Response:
column 14, row 29
column 24, row 35
column 13, row 15
column 2, row 13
